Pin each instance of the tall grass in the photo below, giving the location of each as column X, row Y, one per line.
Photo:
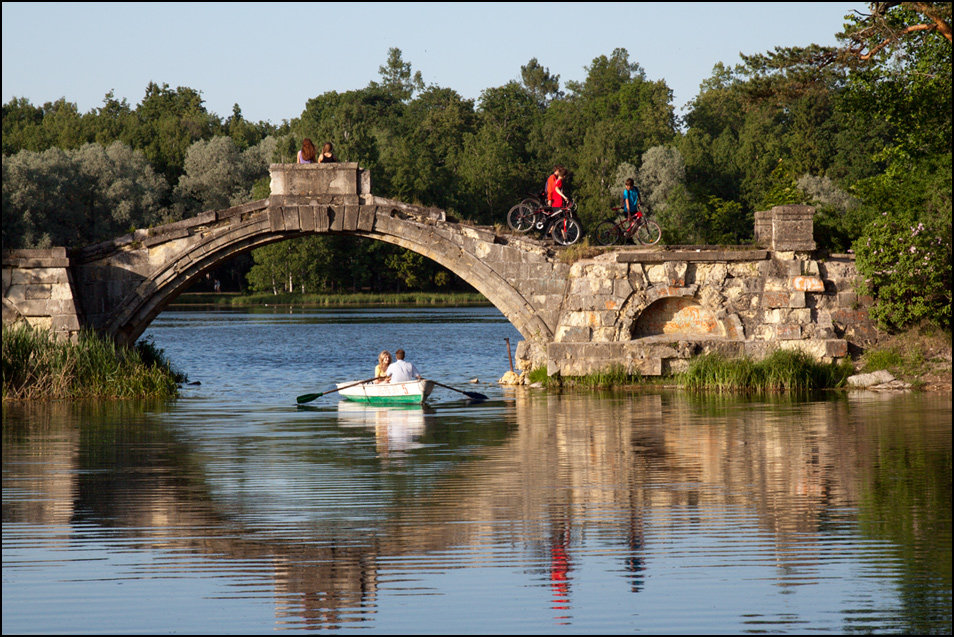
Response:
column 782, row 371
column 38, row 366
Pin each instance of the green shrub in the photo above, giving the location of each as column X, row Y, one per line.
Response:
column 906, row 268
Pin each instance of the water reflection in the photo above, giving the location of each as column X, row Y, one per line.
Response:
column 712, row 496
column 397, row 429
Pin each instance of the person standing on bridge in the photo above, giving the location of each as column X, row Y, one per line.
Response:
column 307, row 153
column 400, row 370
column 630, row 201
column 555, row 196
column 327, row 154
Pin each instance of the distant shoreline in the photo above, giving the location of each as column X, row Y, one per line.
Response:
column 239, row 300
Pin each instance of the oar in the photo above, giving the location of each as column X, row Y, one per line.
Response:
column 307, row 398
column 470, row 394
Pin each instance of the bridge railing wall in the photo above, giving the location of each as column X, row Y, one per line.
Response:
column 38, row 288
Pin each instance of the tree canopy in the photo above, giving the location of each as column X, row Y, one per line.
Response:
column 859, row 130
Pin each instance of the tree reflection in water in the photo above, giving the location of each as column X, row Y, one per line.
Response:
column 550, row 476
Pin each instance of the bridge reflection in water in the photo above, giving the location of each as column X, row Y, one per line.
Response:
column 558, row 480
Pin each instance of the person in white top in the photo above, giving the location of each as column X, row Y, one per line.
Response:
column 400, row 370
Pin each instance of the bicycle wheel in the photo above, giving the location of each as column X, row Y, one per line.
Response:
column 607, row 233
column 533, row 202
column 566, row 231
column 521, row 217
column 649, row 233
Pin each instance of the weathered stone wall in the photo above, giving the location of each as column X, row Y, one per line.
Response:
column 652, row 311
column 38, row 289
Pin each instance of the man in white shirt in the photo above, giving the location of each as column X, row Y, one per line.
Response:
column 400, row 370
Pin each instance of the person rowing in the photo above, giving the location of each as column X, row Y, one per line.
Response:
column 401, row 371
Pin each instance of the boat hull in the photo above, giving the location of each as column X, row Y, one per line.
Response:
column 410, row 392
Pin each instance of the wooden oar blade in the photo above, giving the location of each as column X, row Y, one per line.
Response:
column 470, row 394
column 307, row 398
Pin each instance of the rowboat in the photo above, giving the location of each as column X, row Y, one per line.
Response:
column 410, row 392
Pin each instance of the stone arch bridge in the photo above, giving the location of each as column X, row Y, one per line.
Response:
column 646, row 310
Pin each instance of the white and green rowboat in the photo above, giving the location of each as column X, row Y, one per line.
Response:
column 410, row 392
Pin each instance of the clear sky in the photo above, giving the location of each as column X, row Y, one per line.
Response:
column 270, row 58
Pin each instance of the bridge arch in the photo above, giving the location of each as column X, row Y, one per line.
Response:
column 172, row 265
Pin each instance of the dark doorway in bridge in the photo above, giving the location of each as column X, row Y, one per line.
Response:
column 677, row 317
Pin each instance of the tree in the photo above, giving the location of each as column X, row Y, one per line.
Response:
column 541, row 85
column 217, row 175
column 892, row 24
column 76, row 198
column 167, row 123
column 397, row 78
column 662, row 170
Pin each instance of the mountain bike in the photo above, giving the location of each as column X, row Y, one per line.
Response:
column 620, row 228
column 560, row 223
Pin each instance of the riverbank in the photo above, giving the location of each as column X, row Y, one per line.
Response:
column 919, row 358
column 351, row 299
column 37, row 366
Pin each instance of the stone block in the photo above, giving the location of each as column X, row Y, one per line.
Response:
column 716, row 275
column 350, row 214
column 306, row 215
column 807, row 284
column 802, row 316
column 676, row 273
column 39, row 291
column 788, row 332
column 65, row 323
column 573, row 334
column 734, row 331
column 276, row 221
column 772, row 299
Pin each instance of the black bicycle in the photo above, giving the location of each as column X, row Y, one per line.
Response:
column 560, row 223
column 620, row 228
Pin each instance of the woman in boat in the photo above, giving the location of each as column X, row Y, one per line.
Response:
column 380, row 371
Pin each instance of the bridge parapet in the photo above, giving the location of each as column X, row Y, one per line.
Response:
column 309, row 180
column 38, row 289
column 786, row 228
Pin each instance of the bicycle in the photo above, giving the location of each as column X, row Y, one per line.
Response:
column 560, row 223
column 636, row 227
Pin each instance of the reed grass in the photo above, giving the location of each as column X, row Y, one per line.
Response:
column 790, row 371
column 37, row 366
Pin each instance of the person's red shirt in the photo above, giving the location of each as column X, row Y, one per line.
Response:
column 555, row 199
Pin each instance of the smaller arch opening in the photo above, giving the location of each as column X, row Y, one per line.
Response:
column 677, row 317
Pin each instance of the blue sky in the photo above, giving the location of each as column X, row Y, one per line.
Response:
column 270, row 58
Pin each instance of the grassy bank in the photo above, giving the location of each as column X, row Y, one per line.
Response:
column 920, row 356
column 784, row 371
column 433, row 299
column 789, row 371
column 36, row 366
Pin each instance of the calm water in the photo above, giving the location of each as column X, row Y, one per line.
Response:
column 232, row 510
